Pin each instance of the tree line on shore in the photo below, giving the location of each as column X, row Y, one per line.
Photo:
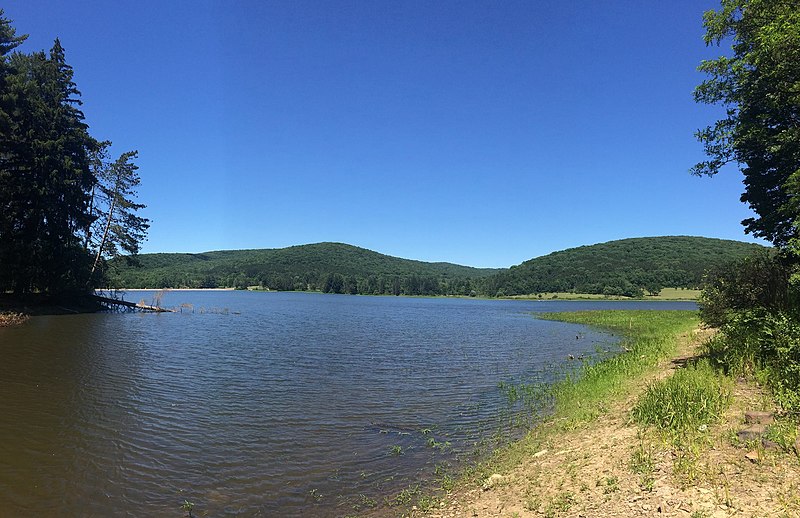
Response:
column 65, row 204
column 629, row 267
column 755, row 302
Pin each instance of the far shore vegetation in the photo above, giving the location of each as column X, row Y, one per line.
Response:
column 631, row 268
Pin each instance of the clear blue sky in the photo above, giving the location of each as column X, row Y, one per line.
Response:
column 481, row 133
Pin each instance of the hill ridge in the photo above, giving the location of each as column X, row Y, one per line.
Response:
column 628, row 266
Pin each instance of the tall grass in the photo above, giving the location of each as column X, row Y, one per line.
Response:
column 648, row 337
column 686, row 401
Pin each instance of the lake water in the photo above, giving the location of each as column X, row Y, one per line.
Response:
column 262, row 404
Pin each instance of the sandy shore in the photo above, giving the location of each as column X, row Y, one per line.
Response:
column 597, row 469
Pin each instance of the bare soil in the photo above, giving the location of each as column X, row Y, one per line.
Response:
column 611, row 467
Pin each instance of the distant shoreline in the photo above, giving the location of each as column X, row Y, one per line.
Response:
column 666, row 295
column 172, row 289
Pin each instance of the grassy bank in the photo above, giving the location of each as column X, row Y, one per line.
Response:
column 656, row 430
column 672, row 294
column 648, row 338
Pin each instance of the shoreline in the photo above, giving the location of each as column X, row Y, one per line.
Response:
column 589, row 458
column 170, row 289
column 544, row 297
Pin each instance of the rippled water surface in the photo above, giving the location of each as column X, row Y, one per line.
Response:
column 260, row 404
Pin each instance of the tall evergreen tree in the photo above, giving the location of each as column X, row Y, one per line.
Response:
column 8, row 184
column 47, row 175
column 54, row 184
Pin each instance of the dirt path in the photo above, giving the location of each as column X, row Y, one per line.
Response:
column 609, row 467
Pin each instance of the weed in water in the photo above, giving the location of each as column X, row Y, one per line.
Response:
column 405, row 497
column 188, row 507
column 396, row 450
column 365, row 502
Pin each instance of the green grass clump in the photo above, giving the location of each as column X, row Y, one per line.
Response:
column 648, row 338
column 686, row 401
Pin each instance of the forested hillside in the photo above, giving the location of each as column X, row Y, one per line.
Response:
column 626, row 267
column 327, row 267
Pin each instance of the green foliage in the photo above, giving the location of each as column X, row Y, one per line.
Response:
column 759, row 85
column 327, row 267
column 626, row 267
column 615, row 268
column 759, row 280
column 765, row 344
column 117, row 228
column 692, row 397
column 44, row 175
column 754, row 302
column 650, row 336
column 47, row 180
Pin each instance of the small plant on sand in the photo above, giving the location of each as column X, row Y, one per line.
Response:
column 609, row 484
column 561, row 503
column 532, row 501
column 642, row 464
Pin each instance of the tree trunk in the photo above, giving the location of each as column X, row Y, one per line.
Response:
column 103, row 241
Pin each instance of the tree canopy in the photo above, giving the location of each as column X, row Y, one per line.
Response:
column 48, row 180
column 327, row 267
column 625, row 267
column 759, row 86
column 756, row 301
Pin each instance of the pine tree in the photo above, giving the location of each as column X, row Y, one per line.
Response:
column 117, row 229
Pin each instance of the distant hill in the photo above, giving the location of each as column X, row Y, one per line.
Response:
column 628, row 267
column 329, row 267
column 625, row 267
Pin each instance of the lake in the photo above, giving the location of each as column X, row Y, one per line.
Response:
column 264, row 404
